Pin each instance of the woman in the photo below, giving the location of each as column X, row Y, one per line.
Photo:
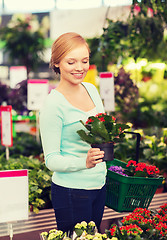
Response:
column 78, row 181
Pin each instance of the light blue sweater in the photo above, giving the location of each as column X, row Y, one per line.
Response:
column 65, row 153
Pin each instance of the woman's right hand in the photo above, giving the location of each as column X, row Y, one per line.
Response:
column 94, row 156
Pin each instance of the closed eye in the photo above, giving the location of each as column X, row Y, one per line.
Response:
column 85, row 62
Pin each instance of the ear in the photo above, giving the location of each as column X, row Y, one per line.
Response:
column 56, row 65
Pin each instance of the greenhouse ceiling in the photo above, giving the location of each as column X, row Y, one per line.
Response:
column 11, row 6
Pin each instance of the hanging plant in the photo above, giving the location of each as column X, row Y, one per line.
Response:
column 23, row 42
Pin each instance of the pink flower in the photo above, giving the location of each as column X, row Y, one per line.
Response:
column 150, row 12
column 136, row 10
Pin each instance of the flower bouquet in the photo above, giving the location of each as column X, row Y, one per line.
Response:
column 141, row 224
column 102, row 131
column 131, row 185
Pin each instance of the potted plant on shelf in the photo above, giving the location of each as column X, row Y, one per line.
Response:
column 102, row 132
column 141, row 224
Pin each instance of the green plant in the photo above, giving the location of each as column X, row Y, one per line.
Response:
column 155, row 151
column 24, row 144
column 23, row 42
column 113, row 41
column 145, row 34
column 39, row 179
column 126, row 150
column 140, row 35
column 102, row 128
column 126, row 95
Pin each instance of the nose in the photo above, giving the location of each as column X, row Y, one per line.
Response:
column 79, row 66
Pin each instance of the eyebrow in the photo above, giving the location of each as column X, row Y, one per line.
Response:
column 75, row 58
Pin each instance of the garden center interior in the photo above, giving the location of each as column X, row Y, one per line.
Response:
column 128, row 67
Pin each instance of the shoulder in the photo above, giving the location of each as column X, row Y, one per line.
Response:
column 52, row 104
column 54, row 98
column 90, row 87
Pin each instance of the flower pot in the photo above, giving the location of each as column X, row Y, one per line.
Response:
column 108, row 149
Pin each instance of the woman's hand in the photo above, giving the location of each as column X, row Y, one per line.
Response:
column 94, row 156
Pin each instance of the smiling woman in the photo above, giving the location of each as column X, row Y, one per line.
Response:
column 78, row 182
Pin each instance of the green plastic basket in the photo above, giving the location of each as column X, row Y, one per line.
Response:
column 124, row 194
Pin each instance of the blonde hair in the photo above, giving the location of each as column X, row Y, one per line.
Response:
column 63, row 45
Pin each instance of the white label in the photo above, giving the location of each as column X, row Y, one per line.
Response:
column 107, row 93
column 14, row 198
column 37, row 93
column 6, row 134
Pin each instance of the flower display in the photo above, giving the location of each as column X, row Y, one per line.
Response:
column 141, row 224
column 82, row 231
column 140, row 169
column 102, row 128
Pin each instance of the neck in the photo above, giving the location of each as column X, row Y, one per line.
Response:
column 68, row 87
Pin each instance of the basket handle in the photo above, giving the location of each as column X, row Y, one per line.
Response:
column 137, row 143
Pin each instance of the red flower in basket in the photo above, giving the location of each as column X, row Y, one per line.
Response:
column 141, row 169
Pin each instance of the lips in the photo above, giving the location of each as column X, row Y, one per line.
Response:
column 77, row 75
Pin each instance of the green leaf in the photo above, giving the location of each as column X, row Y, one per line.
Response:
column 99, row 129
column 85, row 137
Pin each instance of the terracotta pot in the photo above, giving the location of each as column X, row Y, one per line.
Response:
column 108, row 149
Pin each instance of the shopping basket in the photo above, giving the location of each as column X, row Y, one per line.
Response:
column 125, row 193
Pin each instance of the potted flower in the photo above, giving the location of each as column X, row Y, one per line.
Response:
column 102, row 132
column 141, row 224
column 84, row 228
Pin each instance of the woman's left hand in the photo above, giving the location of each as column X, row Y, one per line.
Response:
column 94, row 156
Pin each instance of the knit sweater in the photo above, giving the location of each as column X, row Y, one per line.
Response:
column 65, row 153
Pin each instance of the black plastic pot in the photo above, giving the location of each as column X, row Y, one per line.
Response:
column 108, row 149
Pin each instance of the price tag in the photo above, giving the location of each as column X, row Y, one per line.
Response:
column 37, row 92
column 107, row 91
column 17, row 74
column 14, row 195
column 6, row 126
